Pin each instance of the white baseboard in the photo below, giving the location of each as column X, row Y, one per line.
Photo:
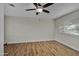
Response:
column 29, row 41
column 44, row 40
column 68, row 45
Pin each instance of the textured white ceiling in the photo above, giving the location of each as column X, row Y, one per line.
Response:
column 56, row 10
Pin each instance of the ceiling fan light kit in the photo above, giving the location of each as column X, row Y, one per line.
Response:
column 39, row 10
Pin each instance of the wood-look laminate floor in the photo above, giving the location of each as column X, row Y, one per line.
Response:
column 49, row 48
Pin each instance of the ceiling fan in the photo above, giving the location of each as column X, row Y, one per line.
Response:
column 40, row 8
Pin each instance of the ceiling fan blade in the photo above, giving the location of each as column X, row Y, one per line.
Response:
column 30, row 9
column 39, row 4
column 44, row 10
column 46, row 5
column 12, row 5
column 36, row 5
column 37, row 13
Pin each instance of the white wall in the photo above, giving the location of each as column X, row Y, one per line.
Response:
column 24, row 29
column 68, row 39
column 1, row 29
